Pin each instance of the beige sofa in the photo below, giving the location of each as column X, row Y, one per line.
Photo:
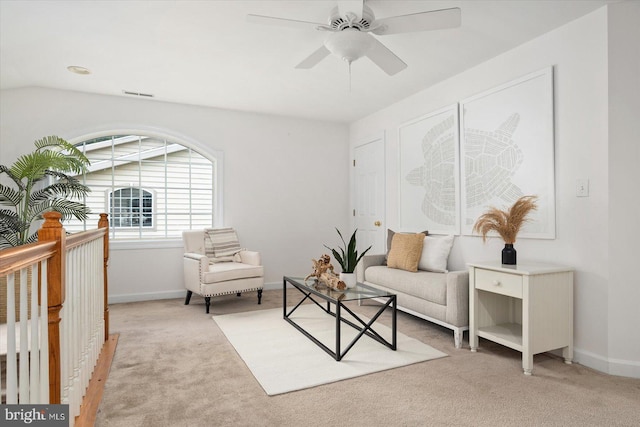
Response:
column 441, row 298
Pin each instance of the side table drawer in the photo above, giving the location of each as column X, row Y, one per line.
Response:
column 499, row 283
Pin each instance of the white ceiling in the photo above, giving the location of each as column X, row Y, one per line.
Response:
column 206, row 53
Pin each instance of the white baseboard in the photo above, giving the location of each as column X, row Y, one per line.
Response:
column 591, row 360
column 624, row 368
column 274, row 286
column 147, row 296
column 619, row 367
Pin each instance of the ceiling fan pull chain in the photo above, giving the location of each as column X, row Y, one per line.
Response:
column 349, row 62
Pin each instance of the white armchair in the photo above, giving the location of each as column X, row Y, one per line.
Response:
column 208, row 279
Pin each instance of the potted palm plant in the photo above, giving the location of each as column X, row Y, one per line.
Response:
column 40, row 183
column 348, row 258
column 43, row 181
column 507, row 224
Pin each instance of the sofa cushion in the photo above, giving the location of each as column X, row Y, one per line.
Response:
column 223, row 271
column 435, row 253
column 405, row 251
column 422, row 284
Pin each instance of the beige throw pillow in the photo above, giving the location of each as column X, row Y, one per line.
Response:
column 405, row 251
column 390, row 234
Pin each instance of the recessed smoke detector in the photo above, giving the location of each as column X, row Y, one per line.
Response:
column 144, row 95
column 78, row 70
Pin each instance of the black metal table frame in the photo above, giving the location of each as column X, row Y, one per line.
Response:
column 366, row 328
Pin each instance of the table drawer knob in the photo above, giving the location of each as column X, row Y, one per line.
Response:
column 496, row 283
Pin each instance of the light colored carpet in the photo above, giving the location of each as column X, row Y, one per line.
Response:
column 282, row 359
column 175, row 368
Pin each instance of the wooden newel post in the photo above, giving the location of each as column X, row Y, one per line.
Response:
column 52, row 230
column 104, row 223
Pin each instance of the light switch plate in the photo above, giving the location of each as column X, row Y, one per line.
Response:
column 582, row 188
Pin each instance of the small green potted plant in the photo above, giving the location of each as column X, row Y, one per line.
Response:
column 348, row 258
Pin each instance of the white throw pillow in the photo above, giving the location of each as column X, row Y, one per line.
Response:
column 435, row 253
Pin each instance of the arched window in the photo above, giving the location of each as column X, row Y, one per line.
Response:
column 131, row 208
column 152, row 187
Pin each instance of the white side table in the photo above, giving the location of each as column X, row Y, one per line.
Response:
column 527, row 307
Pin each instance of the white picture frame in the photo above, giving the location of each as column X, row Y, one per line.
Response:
column 429, row 184
column 507, row 151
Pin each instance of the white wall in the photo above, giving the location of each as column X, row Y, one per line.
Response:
column 624, row 182
column 578, row 53
column 285, row 180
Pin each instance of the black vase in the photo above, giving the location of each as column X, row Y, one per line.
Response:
column 509, row 254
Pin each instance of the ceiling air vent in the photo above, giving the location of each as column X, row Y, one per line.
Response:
column 144, row 95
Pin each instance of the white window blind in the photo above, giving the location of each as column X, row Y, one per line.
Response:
column 176, row 181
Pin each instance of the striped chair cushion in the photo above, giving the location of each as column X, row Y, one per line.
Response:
column 221, row 243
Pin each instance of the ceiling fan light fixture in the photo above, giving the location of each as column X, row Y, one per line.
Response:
column 350, row 33
column 349, row 44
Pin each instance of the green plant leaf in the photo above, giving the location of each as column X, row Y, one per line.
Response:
column 363, row 254
column 15, row 179
column 69, row 208
column 9, row 196
column 53, row 158
column 61, row 189
column 9, row 241
column 348, row 257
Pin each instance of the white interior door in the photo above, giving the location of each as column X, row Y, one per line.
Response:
column 369, row 196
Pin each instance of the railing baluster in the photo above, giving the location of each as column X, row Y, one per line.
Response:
column 67, row 326
column 76, row 330
column 44, row 336
column 64, row 348
column 23, row 377
column 90, row 313
column 104, row 223
column 12, row 368
column 89, row 283
column 34, row 362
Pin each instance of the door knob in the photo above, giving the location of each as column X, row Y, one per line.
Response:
column 377, row 223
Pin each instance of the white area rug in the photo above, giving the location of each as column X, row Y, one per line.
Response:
column 284, row 360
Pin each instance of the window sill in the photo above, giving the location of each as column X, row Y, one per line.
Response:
column 123, row 245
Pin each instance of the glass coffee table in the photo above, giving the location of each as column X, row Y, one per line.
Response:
column 320, row 294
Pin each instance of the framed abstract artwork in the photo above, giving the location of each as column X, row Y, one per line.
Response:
column 429, row 173
column 507, row 151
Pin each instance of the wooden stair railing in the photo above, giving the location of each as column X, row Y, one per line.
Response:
column 49, row 255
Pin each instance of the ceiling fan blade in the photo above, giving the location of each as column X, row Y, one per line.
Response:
column 353, row 6
column 421, row 21
column 384, row 58
column 313, row 59
column 282, row 22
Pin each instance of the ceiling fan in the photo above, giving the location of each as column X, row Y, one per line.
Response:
column 351, row 25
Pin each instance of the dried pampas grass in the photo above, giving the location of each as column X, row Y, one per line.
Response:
column 506, row 223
